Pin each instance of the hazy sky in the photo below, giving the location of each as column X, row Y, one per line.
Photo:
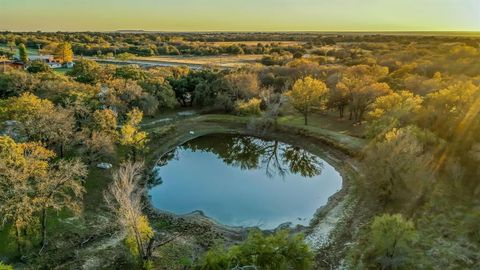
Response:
column 240, row 15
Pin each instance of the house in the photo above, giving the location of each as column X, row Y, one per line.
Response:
column 48, row 59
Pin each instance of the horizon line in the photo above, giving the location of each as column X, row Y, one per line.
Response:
column 244, row 31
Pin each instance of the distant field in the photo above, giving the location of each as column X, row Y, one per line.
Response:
column 220, row 60
column 254, row 43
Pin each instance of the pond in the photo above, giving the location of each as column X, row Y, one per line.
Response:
column 244, row 181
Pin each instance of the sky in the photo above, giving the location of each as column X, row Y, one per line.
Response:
column 240, row 15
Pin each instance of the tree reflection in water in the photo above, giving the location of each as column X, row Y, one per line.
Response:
column 249, row 153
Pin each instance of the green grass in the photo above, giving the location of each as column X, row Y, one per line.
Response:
column 30, row 51
column 62, row 70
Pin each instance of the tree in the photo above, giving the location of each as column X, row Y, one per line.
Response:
column 98, row 145
column 130, row 72
column 64, row 52
column 5, row 266
column 339, row 98
column 105, row 121
column 11, row 45
column 15, row 82
column 250, row 107
column 22, row 166
column 38, row 66
column 40, row 120
column 242, row 85
column 161, row 90
column 359, row 84
column 61, row 188
column 277, row 251
column 87, row 71
column 124, row 197
column 306, row 95
column 393, row 111
column 130, row 135
column 122, row 95
column 401, row 167
column 22, row 52
column 390, row 243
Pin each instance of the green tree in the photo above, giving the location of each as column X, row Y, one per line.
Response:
column 61, row 188
column 130, row 72
column 87, row 71
column 161, row 90
column 38, row 66
column 5, row 266
column 22, row 52
column 15, row 82
column 273, row 252
column 402, row 167
column 390, row 244
column 306, row 95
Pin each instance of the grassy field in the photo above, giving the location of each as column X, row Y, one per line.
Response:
column 254, row 43
column 30, row 51
column 220, row 60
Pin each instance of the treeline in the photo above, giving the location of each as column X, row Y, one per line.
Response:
column 150, row 44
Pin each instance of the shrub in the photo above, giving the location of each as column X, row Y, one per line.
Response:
column 5, row 266
column 250, row 107
column 389, row 244
column 278, row 251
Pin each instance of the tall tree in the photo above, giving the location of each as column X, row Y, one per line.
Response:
column 124, row 197
column 360, row 84
column 306, row 95
column 22, row 166
column 130, row 135
column 401, row 167
column 61, row 188
column 22, row 52
column 64, row 52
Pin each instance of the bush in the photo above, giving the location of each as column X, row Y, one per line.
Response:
column 388, row 245
column 5, row 266
column 163, row 131
column 38, row 66
column 278, row 251
column 250, row 107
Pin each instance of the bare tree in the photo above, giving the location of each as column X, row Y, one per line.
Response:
column 124, row 198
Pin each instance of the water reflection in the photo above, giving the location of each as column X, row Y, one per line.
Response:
column 247, row 153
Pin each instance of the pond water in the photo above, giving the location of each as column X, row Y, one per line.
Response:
column 244, row 181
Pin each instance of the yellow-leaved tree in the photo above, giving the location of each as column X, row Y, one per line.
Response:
column 307, row 94
column 130, row 134
column 30, row 185
column 63, row 52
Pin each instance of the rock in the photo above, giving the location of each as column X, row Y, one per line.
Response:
column 192, row 132
column 104, row 165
